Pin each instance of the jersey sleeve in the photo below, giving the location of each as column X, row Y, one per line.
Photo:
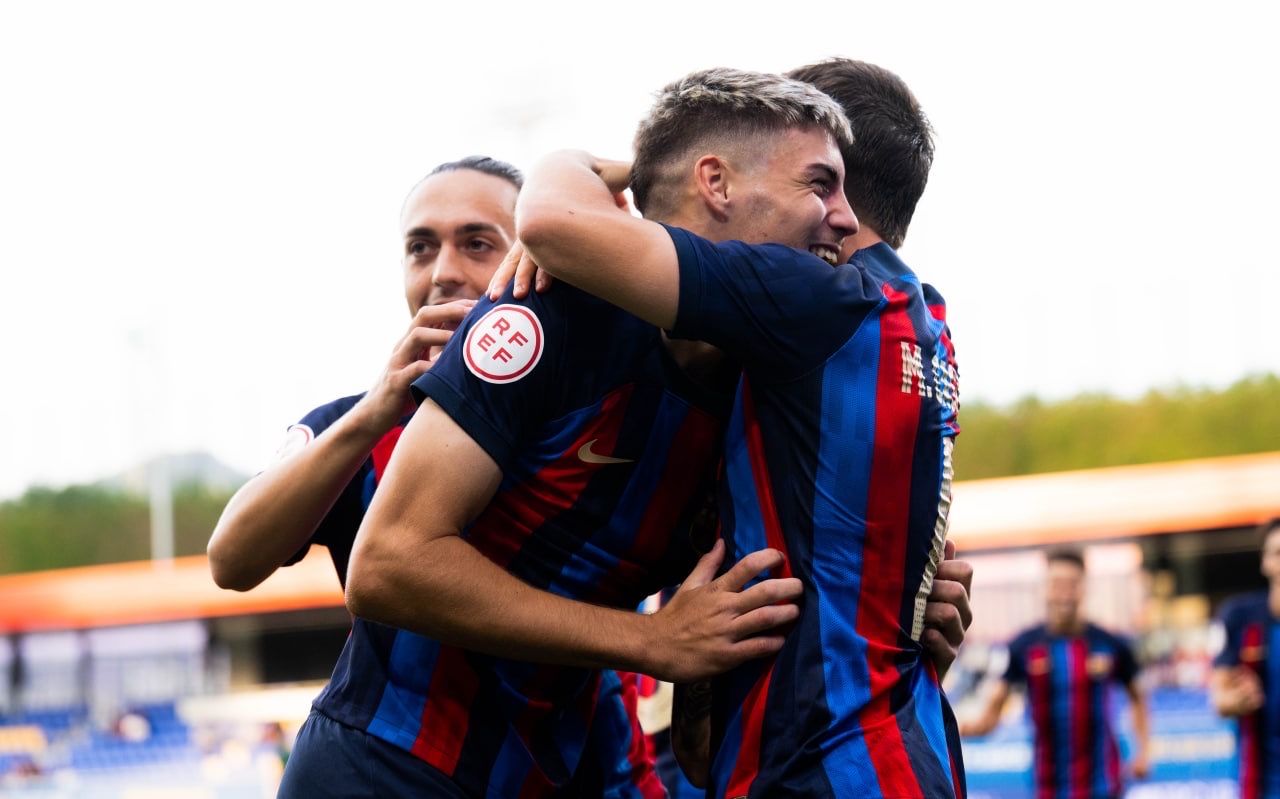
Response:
column 1016, row 672
column 1126, row 665
column 338, row 528
column 1229, row 629
column 779, row 311
column 498, row 377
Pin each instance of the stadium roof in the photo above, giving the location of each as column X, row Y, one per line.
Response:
column 1118, row 502
column 1036, row 510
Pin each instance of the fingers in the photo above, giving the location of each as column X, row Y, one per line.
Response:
column 445, row 316
column 705, row 569
column 941, row 651
column 948, row 549
column 506, row 270
column 762, row 619
column 543, row 281
column 750, row 567
column 418, row 341
column 945, row 620
column 956, row 571
column 770, row 592
column 951, row 594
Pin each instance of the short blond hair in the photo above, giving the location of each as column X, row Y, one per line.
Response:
column 718, row 107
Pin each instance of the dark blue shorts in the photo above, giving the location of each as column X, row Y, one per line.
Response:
column 333, row 760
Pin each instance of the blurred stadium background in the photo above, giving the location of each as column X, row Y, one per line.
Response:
column 123, row 675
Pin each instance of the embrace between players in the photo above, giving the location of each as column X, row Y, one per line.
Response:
column 745, row 392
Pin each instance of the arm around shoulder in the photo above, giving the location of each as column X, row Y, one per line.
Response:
column 569, row 223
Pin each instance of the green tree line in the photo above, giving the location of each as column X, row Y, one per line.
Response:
column 54, row 528
column 50, row 528
column 1092, row 431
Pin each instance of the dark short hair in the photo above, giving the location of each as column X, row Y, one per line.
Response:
column 887, row 166
column 1066, row 555
column 1265, row 530
column 720, row 107
column 485, row 164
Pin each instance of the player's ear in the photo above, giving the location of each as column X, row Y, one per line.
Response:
column 711, row 182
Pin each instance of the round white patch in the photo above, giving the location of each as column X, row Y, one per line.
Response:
column 298, row 436
column 504, row 345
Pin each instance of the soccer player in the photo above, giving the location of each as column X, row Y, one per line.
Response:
column 1247, row 672
column 457, row 224
column 838, row 450
column 1068, row 667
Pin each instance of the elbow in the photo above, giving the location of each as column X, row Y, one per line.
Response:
column 226, row 570
column 371, row 581
column 364, row 593
column 536, row 226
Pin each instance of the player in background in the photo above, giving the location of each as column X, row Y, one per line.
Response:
column 838, row 451
column 1245, row 684
column 457, row 223
column 1068, row 667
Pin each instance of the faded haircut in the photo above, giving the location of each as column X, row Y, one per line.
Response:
column 888, row 165
column 719, row 108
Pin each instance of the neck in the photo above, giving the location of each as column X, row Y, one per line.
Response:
column 864, row 238
column 1273, row 599
column 1067, row 627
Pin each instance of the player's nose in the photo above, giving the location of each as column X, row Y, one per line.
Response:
column 448, row 269
column 840, row 216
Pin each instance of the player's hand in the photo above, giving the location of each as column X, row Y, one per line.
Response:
column 518, row 265
column 615, row 174
column 389, row 399
column 1243, row 692
column 712, row 625
column 1140, row 766
column 947, row 614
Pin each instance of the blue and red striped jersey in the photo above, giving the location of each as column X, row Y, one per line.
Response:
column 1069, row 682
column 838, row 453
column 607, row 453
column 1252, row 639
column 615, row 762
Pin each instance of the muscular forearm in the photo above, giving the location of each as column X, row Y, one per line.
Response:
column 273, row 515
column 431, row 590
column 569, row 223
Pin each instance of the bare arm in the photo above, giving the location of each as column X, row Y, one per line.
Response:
column 1141, row 763
column 411, row 569
column 275, row 514
column 691, row 730
column 990, row 716
column 569, row 222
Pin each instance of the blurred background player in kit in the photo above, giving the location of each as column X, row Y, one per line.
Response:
column 851, row 705
column 456, row 225
column 1068, row 667
column 1245, row 684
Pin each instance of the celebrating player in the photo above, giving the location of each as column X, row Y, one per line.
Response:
column 1068, row 667
column 839, row 445
column 1247, row 672
column 457, row 224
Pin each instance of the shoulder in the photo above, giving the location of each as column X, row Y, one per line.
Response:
column 1242, row 608
column 1107, row 637
column 1026, row 638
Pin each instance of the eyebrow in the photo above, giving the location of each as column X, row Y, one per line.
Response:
column 470, row 227
column 826, row 170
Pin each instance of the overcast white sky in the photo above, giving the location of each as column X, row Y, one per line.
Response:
column 199, row 201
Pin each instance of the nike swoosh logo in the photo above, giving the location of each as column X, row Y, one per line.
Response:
column 587, row 456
